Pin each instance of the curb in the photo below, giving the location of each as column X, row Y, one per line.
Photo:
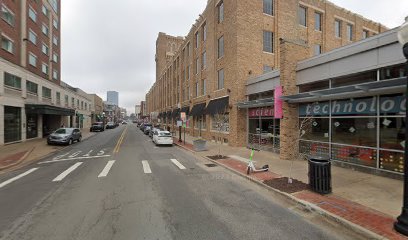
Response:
column 305, row 205
column 19, row 161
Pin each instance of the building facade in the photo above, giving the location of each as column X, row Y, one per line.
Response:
column 97, row 108
column 33, row 99
column 207, row 75
column 137, row 111
column 112, row 97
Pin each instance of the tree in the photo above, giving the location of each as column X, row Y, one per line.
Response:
column 221, row 119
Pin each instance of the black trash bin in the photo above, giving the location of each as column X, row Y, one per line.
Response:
column 320, row 175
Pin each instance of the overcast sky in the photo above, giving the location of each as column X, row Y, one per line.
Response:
column 110, row 45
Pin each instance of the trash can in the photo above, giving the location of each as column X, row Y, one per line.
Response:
column 199, row 145
column 320, row 174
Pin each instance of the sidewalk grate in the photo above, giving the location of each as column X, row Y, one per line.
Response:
column 210, row 165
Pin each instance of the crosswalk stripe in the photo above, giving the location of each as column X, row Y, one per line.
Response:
column 177, row 163
column 107, row 168
column 146, row 167
column 17, row 177
column 66, row 172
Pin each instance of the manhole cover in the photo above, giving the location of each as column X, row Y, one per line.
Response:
column 210, row 165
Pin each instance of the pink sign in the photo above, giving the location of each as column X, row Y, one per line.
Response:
column 260, row 112
column 278, row 102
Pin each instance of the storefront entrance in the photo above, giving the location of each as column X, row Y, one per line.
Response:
column 12, row 124
column 263, row 129
column 32, row 126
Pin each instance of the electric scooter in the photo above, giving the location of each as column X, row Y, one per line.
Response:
column 251, row 166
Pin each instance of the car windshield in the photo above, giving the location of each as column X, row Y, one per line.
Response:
column 63, row 131
column 165, row 134
column 97, row 124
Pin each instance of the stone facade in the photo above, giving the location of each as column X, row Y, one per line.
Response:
column 242, row 30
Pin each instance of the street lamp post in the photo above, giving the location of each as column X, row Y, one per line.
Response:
column 401, row 225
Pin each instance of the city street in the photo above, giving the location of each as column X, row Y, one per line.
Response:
column 118, row 185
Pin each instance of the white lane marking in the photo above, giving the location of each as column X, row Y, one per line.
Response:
column 70, row 159
column 101, row 152
column 17, row 177
column 177, row 163
column 88, row 154
column 75, row 154
column 66, row 172
column 61, row 156
column 146, row 167
column 107, row 168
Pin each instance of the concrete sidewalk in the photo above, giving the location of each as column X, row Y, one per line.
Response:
column 15, row 155
column 371, row 202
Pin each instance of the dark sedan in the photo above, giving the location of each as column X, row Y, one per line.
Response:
column 97, row 126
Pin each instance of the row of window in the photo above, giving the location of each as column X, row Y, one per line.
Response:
column 32, row 60
column 15, row 82
column 32, row 14
column 318, row 18
column 32, row 36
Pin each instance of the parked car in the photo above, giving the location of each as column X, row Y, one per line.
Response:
column 124, row 122
column 147, row 129
column 65, row 136
column 110, row 125
column 97, row 126
column 156, row 128
column 141, row 126
column 162, row 138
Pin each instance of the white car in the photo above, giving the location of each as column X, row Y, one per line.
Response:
column 162, row 138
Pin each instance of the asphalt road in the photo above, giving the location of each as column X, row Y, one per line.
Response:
column 118, row 185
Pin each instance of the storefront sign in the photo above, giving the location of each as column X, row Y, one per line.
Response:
column 362, row 106
column 261, row 112
column 278, row 102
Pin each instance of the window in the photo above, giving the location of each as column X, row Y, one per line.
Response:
column 349, row 32
column 32, row 36
column 302, row 15
column 197, row 39
column 45, row 49
column 46, row 92
column 55, row 23
column 54, row 5
column 32, row 87
column 7, row 15
column 365, row 34
column 197, row 91
column 55, row 74
column 72, row 102
column 55, row 40
column 220, row 122
column 197, row 65
column 11, row 80
column 44, row 68
column 267, row 68
column 55, row 57
column 58, row 94
column 32, row 59
column 267, row 41
column 204, row 31
column 220, row 79
column 32, row 14
column 44, row 29
column 317, row 49
column 66, row 100
column 221, row 12
column 268, row 7
column 188, row 72
column 204, row 60
column 221, row 47
column 7, row 44
column 396, row 71
column 45, row 10
column 188, row 49
column 318, row 21
column 337, row 28
column 203, row 87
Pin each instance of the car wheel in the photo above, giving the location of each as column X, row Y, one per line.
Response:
column 80, row 138
column 70, row 141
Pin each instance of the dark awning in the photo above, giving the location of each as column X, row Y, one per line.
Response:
column 219, row 105
column 198, row 109
column 47, row 109
column 256, row 103
column 176, row 113
column 185, row 109
column 392, row 86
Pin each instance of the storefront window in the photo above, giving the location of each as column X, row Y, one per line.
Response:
column 356, row 155
column 392, row 133
column 32, row 126
column 392, row 105
column 392, row 161
column 355, row 131
column 262, row 95
column 354, row 79
column 392, row 72
column 311, row 148
column 220, row 122
column 314, row 129
column 12, row 124
column 314, row 86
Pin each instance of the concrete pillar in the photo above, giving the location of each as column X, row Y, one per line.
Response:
column 24, row 88
column 23, row 125
column 1, row 124
column 40, row 125
column 39, row 93
column 290, row 53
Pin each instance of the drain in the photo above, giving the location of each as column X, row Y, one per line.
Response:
column 210, row 165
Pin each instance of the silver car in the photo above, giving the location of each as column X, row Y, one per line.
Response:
column 65, row 136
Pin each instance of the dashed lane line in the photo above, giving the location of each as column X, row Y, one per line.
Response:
column 146, row 167
column 178, row 164
column 66, row 172
column 17, row 177
column 107, row 168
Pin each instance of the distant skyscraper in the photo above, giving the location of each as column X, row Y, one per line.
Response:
column 113, row 97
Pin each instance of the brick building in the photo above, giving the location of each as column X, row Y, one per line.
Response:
column 233, row 41
column 33, row 99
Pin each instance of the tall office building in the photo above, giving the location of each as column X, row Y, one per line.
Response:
column 113, row 97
